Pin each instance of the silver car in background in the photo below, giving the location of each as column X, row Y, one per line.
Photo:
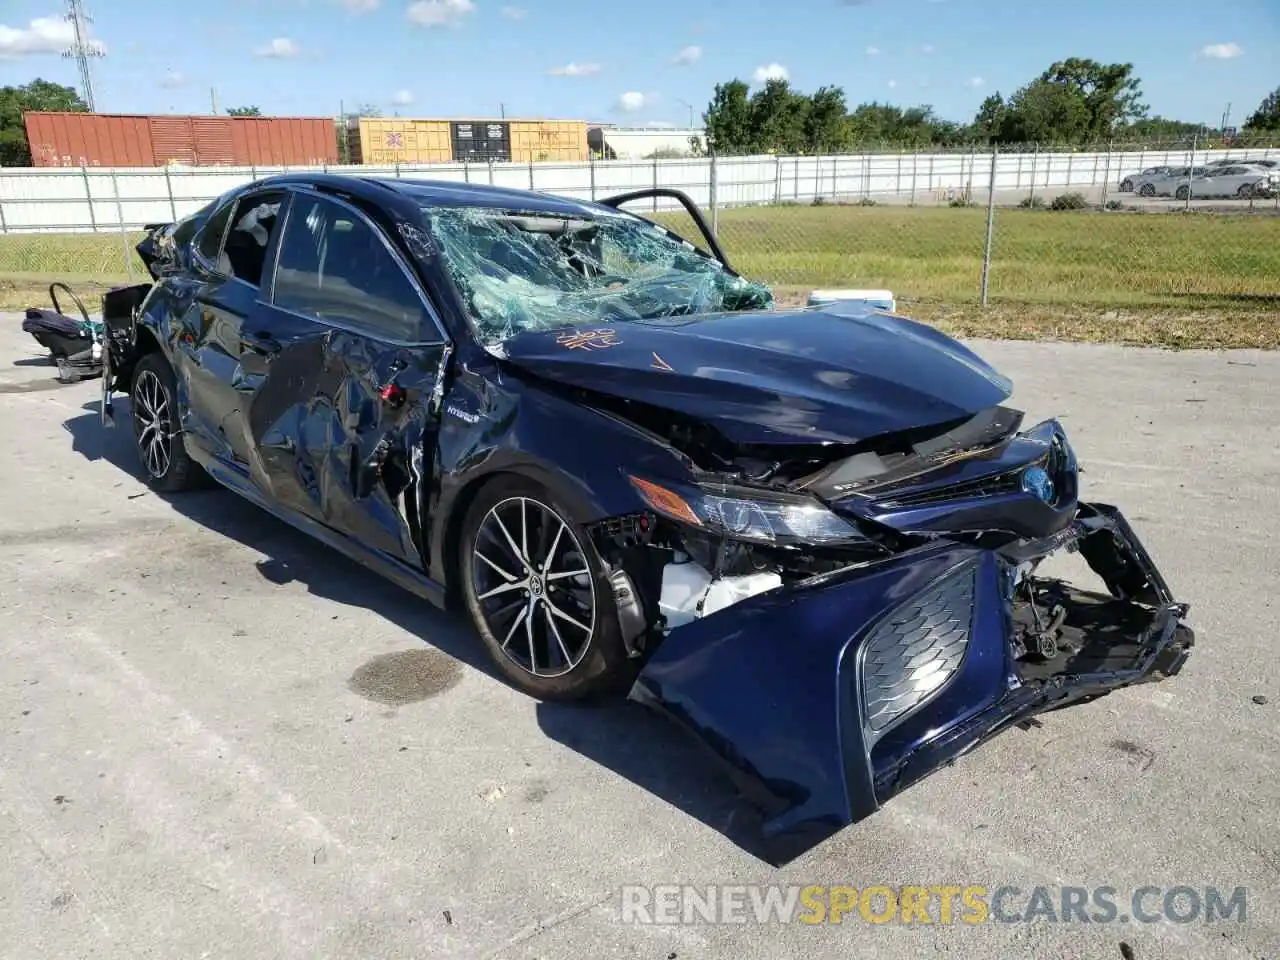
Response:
column 1130, row 182
column 1166, row 183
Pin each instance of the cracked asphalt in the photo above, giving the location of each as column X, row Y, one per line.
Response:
column 220, row 739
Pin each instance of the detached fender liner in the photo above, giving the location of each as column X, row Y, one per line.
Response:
column 796, row 689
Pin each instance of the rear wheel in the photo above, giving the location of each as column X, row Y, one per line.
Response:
column 1126, row 186
column 1182, row 193
column 156, row 433
column 1245, row 191
column 538, row 594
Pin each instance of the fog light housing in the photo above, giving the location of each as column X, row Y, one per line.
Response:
column 915, row 650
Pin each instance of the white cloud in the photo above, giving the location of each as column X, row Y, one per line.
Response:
column 171, row 79
column 361, row 6
column 281, row 48
column 690, row 54
column 892, row 84
column 515, row 13
column 927, row 48
column 1222, row 51
column 41, row 35
column 439, row 13
column 632, row 100
column 774, row 71
column 975, row 82
column 872, row 51
column 576, row 70
column 402, row 98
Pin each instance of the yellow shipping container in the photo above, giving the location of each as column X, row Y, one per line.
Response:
column 546, row 140
column 386, row 141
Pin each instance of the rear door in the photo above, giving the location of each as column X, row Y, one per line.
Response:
column 223, row 336
column 366, row 437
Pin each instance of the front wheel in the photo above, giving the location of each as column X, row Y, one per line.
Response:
column 1147, row 190
column 1126, row 186
column 1182, row 193
column 539, row 596
column 1245, row 192
column 153, row 399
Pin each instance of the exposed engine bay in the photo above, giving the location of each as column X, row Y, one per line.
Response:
column 677, row 564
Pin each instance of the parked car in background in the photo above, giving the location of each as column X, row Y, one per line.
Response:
column 1130, row 182
column 1231, row 181
column 1166, row 184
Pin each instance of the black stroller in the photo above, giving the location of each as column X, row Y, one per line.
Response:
column 76, row 344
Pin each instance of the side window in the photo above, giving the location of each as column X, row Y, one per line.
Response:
column 333, row 266
column 245, row 251
column 210, row 243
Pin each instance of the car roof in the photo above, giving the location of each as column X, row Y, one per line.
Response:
column 390, row 191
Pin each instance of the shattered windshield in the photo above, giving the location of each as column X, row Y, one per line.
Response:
column 522, row 272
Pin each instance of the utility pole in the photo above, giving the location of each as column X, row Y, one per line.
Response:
column 82, row 48
column 1226, row 118
column 213, row 100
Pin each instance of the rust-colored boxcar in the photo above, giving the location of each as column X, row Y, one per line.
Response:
column 115, row 140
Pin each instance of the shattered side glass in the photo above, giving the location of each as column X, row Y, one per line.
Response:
column 520, row 273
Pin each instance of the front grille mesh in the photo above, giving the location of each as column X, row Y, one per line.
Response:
column 915, row 650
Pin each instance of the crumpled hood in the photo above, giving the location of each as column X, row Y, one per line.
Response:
column 840, row 374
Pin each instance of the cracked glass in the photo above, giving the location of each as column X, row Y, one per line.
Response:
column 529, row 272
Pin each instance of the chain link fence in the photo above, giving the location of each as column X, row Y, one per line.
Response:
column 1032, row 239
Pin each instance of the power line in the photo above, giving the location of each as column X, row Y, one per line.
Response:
column 82, row 48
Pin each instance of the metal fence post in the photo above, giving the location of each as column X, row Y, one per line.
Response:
column 817, row 176
column 491, row 171
column 991, row 220
column 124, row 238
column 973, row 159
column 1106, row 175
column 655, row 184
column 466, row 171
column 397, row 170
column 168, row 189
column 1191, row 172
column 88, row 195
column 4, row 227
column 931, row 159
column 715, row 209
column 592, row 163
column 1035, row 156
column 777, row 180
column 915, row 157
column 530, row 174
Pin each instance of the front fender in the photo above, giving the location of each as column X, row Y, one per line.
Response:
column 581, row 455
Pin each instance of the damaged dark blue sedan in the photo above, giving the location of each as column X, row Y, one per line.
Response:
column 816, row 537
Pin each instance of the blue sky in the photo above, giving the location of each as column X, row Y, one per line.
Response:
column 636, row 63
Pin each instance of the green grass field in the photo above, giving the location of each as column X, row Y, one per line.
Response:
column 1160, row 278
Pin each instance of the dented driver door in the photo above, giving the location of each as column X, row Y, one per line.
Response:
column 365, row 444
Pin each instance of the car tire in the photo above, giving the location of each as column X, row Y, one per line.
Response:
column 1245, row 192
column 1147, row 190
column 157, row 438
column 1181, row 193
column 1126, row 186
column 550, row 634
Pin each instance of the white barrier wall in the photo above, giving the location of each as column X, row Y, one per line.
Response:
column 98, row 198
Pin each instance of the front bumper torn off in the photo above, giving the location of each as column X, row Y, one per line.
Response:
column 790, row 687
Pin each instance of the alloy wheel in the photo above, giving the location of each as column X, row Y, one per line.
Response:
column 534, row 586
column 152, row 423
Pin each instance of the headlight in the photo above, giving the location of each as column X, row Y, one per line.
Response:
column 755, row 515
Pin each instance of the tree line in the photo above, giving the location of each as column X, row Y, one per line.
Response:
column 1075, row 102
